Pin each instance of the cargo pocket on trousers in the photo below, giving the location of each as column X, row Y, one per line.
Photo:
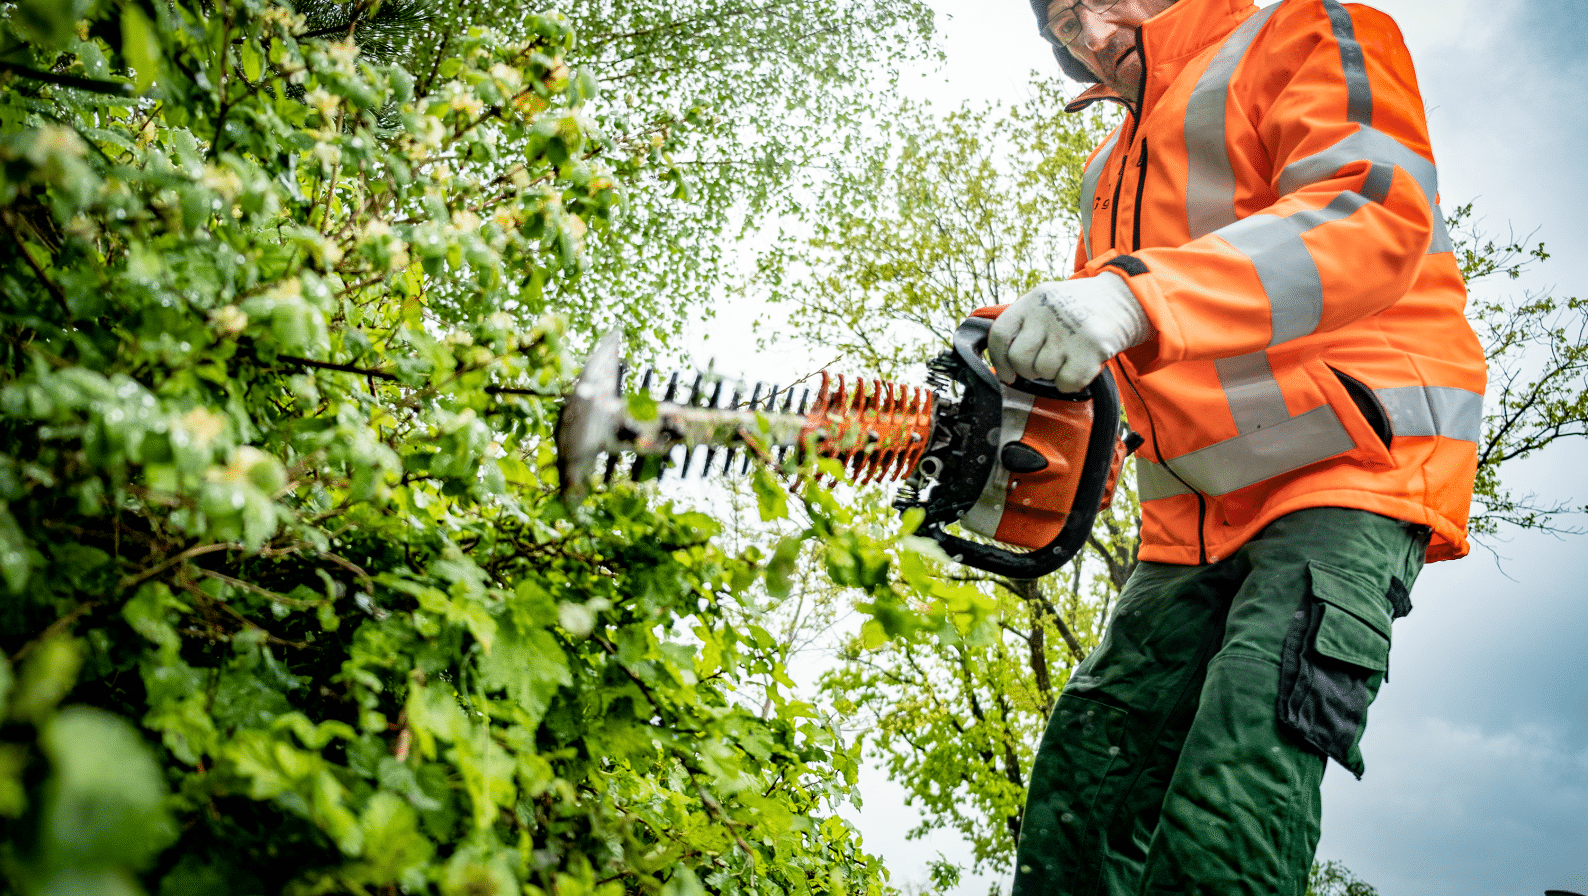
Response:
column 1334, row 659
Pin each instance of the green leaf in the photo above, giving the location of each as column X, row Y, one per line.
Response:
column 684, row 882
column 252, row 59
column 105, row 802
column 780, row 568
column 15, row 566
column 394, row 848
column 150, row 613
column 873, row 635
column 529, row 666
column 433, row 714
column 49, row 23
column 771, row 496
column 245, row 698
column 13, row 789
column 48, row 674
column 642, row 407
column 478, row 872
column 141, row 45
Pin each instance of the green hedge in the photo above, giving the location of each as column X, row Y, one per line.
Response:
column 288, row 600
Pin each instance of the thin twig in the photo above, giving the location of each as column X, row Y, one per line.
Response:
column 255, row 589
column 354, row 568
column 205, row 600
column 343, row 368
column 60, row 297
column 190, row 553
column 336, row 172
column 54, row 629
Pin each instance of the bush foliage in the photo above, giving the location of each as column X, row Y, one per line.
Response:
column 290, row 603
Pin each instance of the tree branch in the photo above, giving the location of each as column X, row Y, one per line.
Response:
column 91, row 85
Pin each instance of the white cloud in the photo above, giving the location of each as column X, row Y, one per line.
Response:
column 1450, row 807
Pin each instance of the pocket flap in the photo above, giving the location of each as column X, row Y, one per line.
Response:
column 1352, row 594
column 1344, row 637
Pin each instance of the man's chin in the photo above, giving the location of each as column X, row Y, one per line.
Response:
column 1126, row 82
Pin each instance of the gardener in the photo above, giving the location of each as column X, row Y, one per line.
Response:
column 1263, row 267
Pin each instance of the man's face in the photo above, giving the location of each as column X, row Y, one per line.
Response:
column 1107, row 41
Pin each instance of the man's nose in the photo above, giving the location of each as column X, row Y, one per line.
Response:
column 1096, row 30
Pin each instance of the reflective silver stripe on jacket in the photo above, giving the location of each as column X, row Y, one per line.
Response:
column 1089, row 179
column 1210, row 177
column 1154, row 481
column 1385, row 153
column 1210, row 180
column 1285, row 267
column 1251, row 391
column 1359, row 93
column 1433, row 411
column 1261, row 454
column 1382, row 147
column 1252, row 457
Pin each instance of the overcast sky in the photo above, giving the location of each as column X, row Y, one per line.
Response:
column 1477, row 749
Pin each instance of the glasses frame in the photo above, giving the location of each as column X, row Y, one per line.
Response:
column 1067, row 16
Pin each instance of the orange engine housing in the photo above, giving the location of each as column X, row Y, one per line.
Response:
column 1042, row 446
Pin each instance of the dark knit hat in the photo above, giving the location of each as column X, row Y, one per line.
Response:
column 1072, row 67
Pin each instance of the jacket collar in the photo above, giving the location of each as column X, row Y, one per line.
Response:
column 1168, row 41
column 1093, row 94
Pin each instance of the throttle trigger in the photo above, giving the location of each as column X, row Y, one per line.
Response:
column 1018, row 457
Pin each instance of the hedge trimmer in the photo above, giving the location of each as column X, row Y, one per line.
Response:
column 1025, row 465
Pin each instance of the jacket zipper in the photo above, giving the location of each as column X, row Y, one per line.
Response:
column 1141, row 189
column 1134, row 111
column 1113, row 208
column 1135, row 246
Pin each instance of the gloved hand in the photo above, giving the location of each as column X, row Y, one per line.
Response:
column 1063, row 331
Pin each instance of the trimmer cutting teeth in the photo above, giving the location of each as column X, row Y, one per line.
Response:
column 1025, row 465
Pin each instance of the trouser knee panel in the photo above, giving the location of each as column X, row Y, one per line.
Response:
column 1064, row 830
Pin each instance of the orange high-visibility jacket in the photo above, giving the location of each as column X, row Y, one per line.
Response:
column 1273, row 207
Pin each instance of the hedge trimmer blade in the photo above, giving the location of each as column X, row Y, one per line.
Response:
column 877, row 429
column 1025, row 465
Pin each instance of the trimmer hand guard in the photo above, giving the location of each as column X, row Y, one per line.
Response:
column 1026, row 465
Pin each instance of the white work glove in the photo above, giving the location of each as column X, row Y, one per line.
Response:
column 1063, row 331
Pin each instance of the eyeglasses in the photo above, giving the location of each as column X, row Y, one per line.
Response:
column 1065, row 25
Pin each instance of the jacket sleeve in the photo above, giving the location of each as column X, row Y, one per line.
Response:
column 1325, row 108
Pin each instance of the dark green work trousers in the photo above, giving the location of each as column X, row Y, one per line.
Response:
column 1186, row 753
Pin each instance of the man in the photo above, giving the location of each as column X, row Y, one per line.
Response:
column 1263, row 268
